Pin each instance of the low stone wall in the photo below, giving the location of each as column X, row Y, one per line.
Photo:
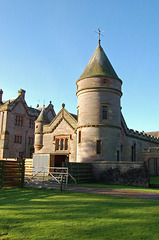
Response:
column 124, row 173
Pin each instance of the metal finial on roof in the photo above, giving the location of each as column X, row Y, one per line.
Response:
column 100, row 34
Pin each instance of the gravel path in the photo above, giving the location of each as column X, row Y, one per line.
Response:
column 104, row 191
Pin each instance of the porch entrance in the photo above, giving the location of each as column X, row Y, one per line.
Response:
column 58, row 160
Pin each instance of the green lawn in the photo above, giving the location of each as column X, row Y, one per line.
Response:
column 48, row 214
column 122, row 187
column 154, row 180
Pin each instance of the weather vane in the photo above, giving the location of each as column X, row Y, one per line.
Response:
column 100, row 34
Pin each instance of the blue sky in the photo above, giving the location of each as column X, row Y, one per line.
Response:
column 46, row 44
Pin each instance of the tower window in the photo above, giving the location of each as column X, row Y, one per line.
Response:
column 99, row 147
column 118, row 155
column 104, row 112
column 79, row 137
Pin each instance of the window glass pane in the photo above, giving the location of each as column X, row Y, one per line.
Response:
column 79, row 137
column 104, row 112
column 66, row 144
column 57, row 144
column 62, row 144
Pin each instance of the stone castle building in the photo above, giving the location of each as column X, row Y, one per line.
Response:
column 17, row 126
column 98, row 134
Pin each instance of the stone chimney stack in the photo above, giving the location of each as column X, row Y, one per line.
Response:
column 22, row 93
column 1, row 94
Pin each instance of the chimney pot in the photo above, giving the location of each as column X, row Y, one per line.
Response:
column 1, row 94
column 21, row 92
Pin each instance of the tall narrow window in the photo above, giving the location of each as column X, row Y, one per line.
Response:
column 99, row 147
column 133, row 152
column 62, row 144
column 79, row 137
column 31, row 123
column 118, row 155
column 104, row 112
column 66, row 144
column 57, row 144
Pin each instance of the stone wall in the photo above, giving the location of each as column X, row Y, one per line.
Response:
column 124, row 173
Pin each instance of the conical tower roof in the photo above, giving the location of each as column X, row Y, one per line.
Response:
column 99, row 66
column 42, row 117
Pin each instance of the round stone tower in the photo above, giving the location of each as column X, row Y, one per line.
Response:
column 39, row 123
column 99, row 111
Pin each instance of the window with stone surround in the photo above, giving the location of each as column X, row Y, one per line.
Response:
column 19, row 120
column 17, row 139
column 31, row 123
column 104, row 112
column 79, row 137
column 118, row 155
column 62, row 143
column 133, row 152
column 66, row 144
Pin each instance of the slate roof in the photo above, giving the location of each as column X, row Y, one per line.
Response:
column 8, row 101
column 99, row 65
column 73, row 115
column 42, row 117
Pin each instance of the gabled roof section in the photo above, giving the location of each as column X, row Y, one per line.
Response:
column 62, row 115
column 99, row 65
column 10, row 104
